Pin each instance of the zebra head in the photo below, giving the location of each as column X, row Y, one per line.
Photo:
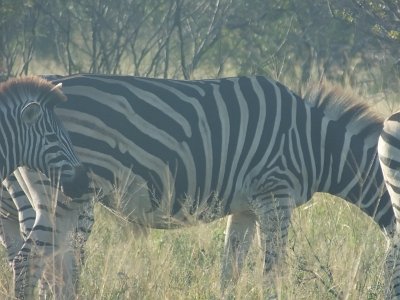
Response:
column 31, row 134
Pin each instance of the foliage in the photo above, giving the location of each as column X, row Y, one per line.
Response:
column 18, row 23
column 379, row 17
column 378, row 25
column 351, row 42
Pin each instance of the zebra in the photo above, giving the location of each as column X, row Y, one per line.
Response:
column 31, row 135
column 389, row 157
column 244, row 147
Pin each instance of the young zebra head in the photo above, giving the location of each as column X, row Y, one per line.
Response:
column 31, row 134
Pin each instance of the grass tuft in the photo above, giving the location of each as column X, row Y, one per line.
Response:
column 333, row 252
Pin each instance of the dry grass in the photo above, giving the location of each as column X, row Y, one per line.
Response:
column 334, row 252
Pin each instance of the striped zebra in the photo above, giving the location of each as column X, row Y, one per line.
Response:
column 247, row 148
column 389, row 156
column 31, row 135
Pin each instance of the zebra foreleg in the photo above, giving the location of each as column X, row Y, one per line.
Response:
column 83, row 230
column 28, row 263
column 273, row 214
column 10, row 235
column 49, row 237
column 48, row 256
column 58, row 280
column 239, row 234
column 19, row 220
column 67, row 263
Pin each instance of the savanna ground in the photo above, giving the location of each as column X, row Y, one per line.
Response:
column 334, row 252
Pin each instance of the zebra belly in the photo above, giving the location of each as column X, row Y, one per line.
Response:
column 131, row 200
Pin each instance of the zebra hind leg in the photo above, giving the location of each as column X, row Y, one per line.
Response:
column 239, row 234
column 392, row 269
column 273, row 214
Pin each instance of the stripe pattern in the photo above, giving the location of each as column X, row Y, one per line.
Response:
column 32, row 135
column 246, row 147
column 389, row 156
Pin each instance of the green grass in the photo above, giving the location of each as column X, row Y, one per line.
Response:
column 333, row 252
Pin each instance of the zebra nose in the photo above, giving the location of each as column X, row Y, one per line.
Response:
column 78, row 184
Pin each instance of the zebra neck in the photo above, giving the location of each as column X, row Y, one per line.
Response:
column 366, row 190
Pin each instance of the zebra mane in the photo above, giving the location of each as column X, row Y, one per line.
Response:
column 32, row 86
column 344, row 105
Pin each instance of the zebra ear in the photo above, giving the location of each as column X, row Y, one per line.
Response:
column 56, row 95
column 31, row 112
column 57, row 86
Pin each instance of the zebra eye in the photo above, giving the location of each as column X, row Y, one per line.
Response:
column 31, row 112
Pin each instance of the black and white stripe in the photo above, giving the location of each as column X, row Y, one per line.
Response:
column 389, row 156
column 31, row 135
column 245, row 147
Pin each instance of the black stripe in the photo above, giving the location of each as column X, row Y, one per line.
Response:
column 271, row 115
column 395, row 188
column 253, row 104
column 27, row 219
column 43, row 228
column 390, row 163
column 390, row 139
column 234, row 115
column 395, row 117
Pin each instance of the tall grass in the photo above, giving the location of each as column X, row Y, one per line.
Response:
column 333, row 252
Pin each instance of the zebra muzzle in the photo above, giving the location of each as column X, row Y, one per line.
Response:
column 74, row 183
